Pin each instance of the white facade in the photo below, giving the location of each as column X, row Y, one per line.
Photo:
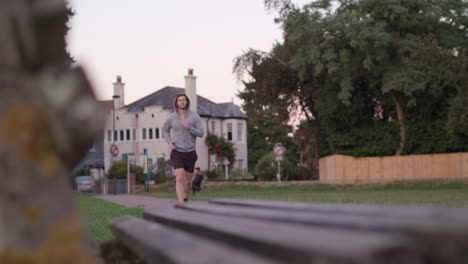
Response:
column 136, row 131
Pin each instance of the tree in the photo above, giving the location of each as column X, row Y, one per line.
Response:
column 272, row 97
column 376, row 46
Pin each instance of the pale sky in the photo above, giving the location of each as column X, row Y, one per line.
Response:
column 152, row 43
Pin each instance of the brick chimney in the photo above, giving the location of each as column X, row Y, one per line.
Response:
column 191, row 89
column 119, row 89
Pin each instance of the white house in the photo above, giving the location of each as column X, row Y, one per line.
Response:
column 138, row 126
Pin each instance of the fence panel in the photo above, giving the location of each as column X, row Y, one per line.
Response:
column 347, row 169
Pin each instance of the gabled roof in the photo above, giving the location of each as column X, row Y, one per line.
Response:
column 94, row 158
column 166, row 97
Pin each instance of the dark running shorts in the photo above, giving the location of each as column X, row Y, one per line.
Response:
column 184, row 160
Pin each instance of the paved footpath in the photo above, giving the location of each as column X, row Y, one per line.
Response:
column 145, row 202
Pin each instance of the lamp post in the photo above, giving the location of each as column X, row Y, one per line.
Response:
column 127, row 157
column 113, row 132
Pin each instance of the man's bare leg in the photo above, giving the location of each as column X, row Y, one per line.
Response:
column 180, row 184
column 188, row 183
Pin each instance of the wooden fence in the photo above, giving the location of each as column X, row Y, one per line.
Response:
column 347, row 169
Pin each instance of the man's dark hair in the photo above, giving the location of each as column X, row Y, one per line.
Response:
column 197, row 168
column 186, row 98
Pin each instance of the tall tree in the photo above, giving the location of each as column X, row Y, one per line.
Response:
column 374, row 45
column 267, row 75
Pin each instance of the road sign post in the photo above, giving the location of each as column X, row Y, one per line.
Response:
column 146, row 169
column 279, row 150
column 126, row 156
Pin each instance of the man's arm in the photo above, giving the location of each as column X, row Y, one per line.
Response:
column 166, row 131
column 197, row 128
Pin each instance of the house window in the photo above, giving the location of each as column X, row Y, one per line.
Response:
column 143, row 133
column 127, row 132
column 134, row 134
column 239, row 131
column 150, row 130
column 109, row 135
column 240, row 164
column 213, row 127
column 121, row 135
column 229, row 131
column 156, row 133
column 115, row 135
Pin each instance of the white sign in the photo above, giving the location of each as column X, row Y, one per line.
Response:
column 114, row 150
column 213, row 158
column 279, row 150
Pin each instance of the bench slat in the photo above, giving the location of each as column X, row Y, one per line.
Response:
column 161, row 244
column 291, row 243
column 456, row 215
column 425, row 236
column 387, row 223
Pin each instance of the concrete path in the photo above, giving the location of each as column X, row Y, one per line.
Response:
column 139, row 201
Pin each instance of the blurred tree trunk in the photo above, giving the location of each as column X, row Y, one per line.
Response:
column 48, row 120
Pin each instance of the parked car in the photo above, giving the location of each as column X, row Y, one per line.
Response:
column 84, row 183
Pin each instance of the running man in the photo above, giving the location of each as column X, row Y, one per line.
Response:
column 180, row 131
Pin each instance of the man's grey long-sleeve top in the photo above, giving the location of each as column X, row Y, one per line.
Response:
column 183, row 138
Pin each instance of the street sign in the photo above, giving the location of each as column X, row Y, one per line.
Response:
column 213, row 158
column 114, row 150
column 279, row 150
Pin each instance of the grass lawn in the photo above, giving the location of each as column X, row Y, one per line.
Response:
column 97, row 213
column 427, row 193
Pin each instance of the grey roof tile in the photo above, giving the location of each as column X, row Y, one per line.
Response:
column 166, row 96
column 95, row 158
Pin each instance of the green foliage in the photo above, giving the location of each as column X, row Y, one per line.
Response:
column 352, row 67
column 302, row 174
column 81, row 172
column 118, row 170
column 220, row 147
column 267, row 168
column 376, row 138
column 216, row 173
column 240, row 175
column 163, row 170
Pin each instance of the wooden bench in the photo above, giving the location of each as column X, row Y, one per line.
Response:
column 246, row 231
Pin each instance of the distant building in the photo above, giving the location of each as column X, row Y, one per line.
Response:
column 138, row 126
column 94, row 159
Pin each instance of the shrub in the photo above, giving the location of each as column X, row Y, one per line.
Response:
column 163, row 171
column 220, row 147
column 240, row 175
column 118, row 170
column 301, row 174
column 214, row 173
column 266, row 168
